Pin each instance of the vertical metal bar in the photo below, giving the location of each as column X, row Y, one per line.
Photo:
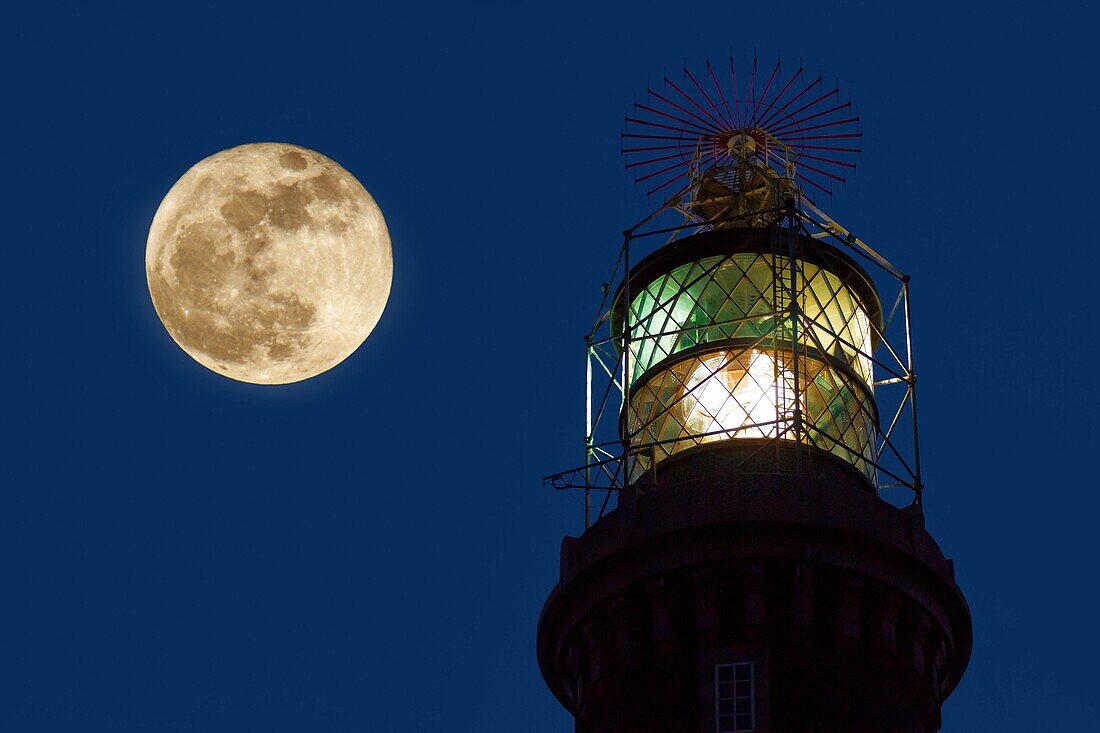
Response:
column 777, row 291
column 795, row 314
column 587, row 431
column 918, row 484
column 627, row 310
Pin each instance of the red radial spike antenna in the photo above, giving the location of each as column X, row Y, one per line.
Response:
column 801, row 127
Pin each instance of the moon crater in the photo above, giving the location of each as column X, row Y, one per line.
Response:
column 269, row 263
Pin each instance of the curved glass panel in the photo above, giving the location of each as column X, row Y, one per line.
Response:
column 750, row 394
column 745, row 295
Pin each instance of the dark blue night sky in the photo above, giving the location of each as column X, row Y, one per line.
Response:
column 369, row 550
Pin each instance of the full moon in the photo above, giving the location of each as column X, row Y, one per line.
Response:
column 268, row 263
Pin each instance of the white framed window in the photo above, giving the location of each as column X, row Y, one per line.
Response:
column 735, row 697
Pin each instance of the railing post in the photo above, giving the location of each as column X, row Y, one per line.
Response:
column 627, row 308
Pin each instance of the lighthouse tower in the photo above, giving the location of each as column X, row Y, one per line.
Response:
column 754, row 555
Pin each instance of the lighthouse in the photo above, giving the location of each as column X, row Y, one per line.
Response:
column 754, row 555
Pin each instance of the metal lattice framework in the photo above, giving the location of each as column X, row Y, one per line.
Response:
column 613, row 460
column 736, row 162
column 798, row 127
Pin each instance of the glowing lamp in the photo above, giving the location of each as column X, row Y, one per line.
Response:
column 727, row 396
column 750, row 334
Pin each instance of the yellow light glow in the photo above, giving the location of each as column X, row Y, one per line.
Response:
column 723, row 397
